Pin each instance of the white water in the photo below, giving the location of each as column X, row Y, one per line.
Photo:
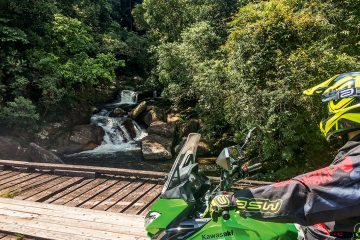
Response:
column 117, row 136
column 126, row 97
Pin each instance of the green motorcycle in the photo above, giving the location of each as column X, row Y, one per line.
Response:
column 182, row 210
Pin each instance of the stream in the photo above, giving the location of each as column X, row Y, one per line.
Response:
column 121, row 142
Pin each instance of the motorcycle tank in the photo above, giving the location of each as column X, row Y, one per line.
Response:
column 240, row 228
column 166, row 211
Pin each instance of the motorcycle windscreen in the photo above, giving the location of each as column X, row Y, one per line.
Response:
column 185, row 158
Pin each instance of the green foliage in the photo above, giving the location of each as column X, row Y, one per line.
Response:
column 22, row 110
column 59, row 54
column 276, row 49
column 71, row 34
column 252, row 72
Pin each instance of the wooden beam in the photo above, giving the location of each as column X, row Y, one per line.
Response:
column 80, row 168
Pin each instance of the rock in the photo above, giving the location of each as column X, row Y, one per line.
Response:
column 130, row 128
column 155, row 147
column 84, row 134
column 161, row 128
column 94, row 110
column 173, row 118
column 203, row 149
column 191, row 126
column 75, row 148
column 119, row 112
column 10, row 149
column 39, row 154
column 153, row 114
column 138, row 110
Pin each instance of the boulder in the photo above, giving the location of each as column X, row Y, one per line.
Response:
column 162, row 129
column 152, row 115
column 138, row 110
column 75, row 148
column 85, row 134
column 10, row 149
column 39, row 154
column 119, row 112
column 203, row 149
column 173, row 118
column 155, row 147
column 130, row 128
column 190, row 126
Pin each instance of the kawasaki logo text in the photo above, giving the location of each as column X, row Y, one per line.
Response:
column 218, row 235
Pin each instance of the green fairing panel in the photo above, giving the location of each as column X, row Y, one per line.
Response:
column 240, row 228
column 169, row 209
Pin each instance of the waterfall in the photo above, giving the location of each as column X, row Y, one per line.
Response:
column 121, row 133
column 125, row 98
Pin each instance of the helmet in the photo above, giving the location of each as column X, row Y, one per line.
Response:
column 342, row 93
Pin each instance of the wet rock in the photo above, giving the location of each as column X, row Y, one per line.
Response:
column 75, row 148
column 138, row 110
column 130, row 128
column 119, row 112
column 94, row 110
column 155, row 147
column 173, row 118
column 10, row 149
column 191, row 126
column 203, row 149
column 39, row 154
column 162, row 129
column 84, row 134
column 153, row 114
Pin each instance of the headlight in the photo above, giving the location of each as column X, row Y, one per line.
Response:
column 150, row 217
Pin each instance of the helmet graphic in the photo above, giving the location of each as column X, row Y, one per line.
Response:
column 342, row 93
column 356, row 235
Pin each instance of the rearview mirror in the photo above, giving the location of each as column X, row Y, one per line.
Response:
column 228, row 158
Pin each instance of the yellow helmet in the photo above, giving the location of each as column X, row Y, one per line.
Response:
column 342, row 92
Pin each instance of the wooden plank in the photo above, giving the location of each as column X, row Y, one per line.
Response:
column 28, row 193
column 22, row 187
column 69, row 173
column 17, row 181
column 67, row 191
column 81, row 225
column 40, row 233
column 101, row 170
column 75, row 213
column 12, row 175
column 143, row 202
column 105, row 194
column 7, row 175
column 27, row 186
column 83, row 198
column 40, row 217
column 10, row 237
column 19, row 222
column 3, row 172
column 130, row 199
column 41, row 196
column 74, row 194
column 108, row 203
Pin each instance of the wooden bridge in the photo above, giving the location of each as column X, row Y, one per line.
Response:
column 57, row 201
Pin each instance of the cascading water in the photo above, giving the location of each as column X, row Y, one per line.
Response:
column 122, row 134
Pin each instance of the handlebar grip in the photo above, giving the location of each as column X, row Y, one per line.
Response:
column 226, row 215
column 254, row 167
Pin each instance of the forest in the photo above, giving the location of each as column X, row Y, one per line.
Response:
column 238, row 63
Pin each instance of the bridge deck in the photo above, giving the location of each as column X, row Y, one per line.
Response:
column 59, row 201
column 47, row 221
column 112, row 193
